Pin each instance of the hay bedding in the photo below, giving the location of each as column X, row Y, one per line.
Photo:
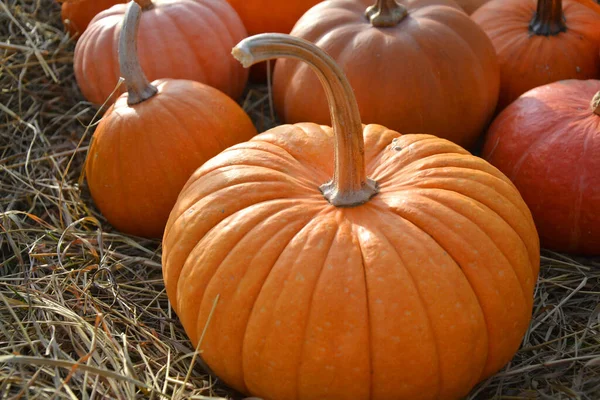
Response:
column 83, row 310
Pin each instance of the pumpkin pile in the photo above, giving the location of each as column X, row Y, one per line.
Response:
column 324, row 258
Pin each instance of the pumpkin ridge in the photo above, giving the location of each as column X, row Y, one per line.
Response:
column 576, row 234
column 310, row 170
column 300, row 229
column 199, row 112
column 269, row 218
column 475, row 288
column 423, row 303
column 368, row 303
column 184, row 45
column 232, row 83
column 426, row 231
column 476, row 193
column 482, row 227
column 258, row 295
column 540, row 140
column 115, row 72
column 310, row 307
column 312, row 220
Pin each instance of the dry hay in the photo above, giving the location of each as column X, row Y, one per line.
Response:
column 83, row 310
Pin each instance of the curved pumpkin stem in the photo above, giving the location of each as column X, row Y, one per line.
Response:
column 138, row 86
column 549, row 19
column 385, row 13
column 349, row 186
column 596, row 104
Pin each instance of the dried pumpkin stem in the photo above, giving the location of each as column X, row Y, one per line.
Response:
column 548, row 19
column 138, row 86
column 596, row 103
column 349, row 186
column 145, row 4
column 385, row 13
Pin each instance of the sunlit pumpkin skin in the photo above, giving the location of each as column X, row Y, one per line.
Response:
column 142, row 154
column 434, row 72
column 418, row 293
column 547, row 142
column 179, row 39
column 77, row 14
column 528, row 60
column 470, row 5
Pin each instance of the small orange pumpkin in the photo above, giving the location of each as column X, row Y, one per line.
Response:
column 547, row 142
column 179, row 39
column 403, row 268
column 540, row 42
column 415, row 66
column 153, row 138
column 77, row 14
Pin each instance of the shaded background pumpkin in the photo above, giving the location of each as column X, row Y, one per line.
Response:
column 77, row 14
column 547, row 142
column 470, row 5
column 540, row 42
column 430, row 70
column 402, row 268
column 261, row 16
column 153, row 138
column 179, row 39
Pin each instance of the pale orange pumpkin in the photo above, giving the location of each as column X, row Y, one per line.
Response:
column 77, row 14
column 401, row 268
column 179, row 39
column 151, row 140
column 415, row 66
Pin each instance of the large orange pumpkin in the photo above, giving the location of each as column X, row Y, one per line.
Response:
column 153, row 138
column 470, row 5
column 401, row 268
column 77, row 14
column 415, row 66
column 179, row 39
column 540, row 42
column 547, row 142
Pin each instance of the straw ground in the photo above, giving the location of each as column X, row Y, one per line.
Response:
column 83, row 310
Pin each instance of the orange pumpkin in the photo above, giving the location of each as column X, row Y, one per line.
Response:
column 153, row 138
column 470, row 5
column 540, row 42
column 261, row 16
column 415, row 66
column 179, row 39
column 77, row 14
column 401, row 268
column 547, row 142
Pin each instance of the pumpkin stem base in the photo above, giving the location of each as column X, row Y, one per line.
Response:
column 596, row 104
column 549, row 19
column 349, row 198
column 386, row 13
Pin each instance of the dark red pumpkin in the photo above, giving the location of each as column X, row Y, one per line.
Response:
column 548, row 143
